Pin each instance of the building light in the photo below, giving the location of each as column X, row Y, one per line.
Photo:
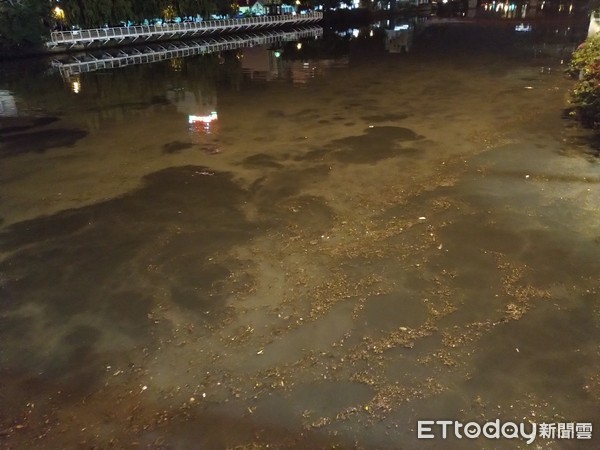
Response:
column 76, row 86
column 58, row 13
column 523, row 28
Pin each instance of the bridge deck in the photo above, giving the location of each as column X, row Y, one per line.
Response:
column 141, row 33
column 167, row 50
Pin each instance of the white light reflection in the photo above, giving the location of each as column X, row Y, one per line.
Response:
column 8, row 104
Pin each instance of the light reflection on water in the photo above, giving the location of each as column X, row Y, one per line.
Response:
column 299, row 245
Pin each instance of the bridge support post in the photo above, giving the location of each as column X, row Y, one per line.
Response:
column 472, row 8
column 532, row 9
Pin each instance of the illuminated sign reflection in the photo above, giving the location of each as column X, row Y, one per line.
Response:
column 202, row 123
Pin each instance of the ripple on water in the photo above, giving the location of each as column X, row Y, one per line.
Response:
column 524, row 359
column 391, row 117
column 261, row 160
column 176, row 147
column 388, row 312
column 18, row 124
column 40, row 141
column 375, row 144
column 469, row 231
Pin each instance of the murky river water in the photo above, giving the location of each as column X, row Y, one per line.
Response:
column 300, row 247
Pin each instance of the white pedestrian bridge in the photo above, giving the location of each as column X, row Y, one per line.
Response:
column 99, row 37
column 160, row 51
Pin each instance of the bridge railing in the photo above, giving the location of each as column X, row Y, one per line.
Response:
column 57, row 37
column 160, row 51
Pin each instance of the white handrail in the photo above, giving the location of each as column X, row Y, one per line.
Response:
column 104, row 34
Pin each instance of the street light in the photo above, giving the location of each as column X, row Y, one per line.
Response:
column 58, row 13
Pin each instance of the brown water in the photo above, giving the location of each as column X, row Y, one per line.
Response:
column 359, row 241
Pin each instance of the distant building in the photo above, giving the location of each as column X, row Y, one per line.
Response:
column 260, row 7
column 252, row 7
column 274, row 7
